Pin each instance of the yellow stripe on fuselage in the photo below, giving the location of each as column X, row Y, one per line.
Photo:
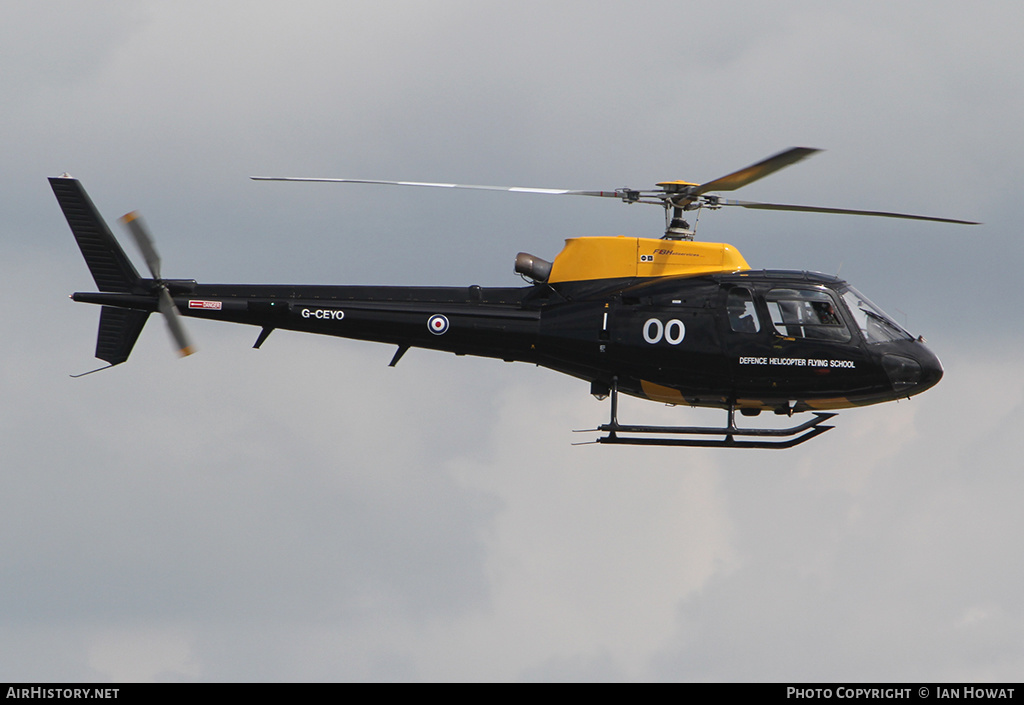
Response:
column 656, row 392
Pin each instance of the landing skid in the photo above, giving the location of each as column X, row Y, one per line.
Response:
column 794, row 435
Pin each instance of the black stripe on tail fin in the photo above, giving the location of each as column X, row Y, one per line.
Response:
column 107, row 262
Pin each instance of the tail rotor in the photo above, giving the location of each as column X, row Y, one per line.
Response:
column 140, row 233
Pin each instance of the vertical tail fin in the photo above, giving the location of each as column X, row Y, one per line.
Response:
column 110, row 267
column 107, row 262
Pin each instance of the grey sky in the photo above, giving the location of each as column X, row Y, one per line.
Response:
column 306, row 512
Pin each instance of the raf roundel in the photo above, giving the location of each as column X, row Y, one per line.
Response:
column 437, row 324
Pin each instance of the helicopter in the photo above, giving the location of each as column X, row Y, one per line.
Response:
column 667, row 319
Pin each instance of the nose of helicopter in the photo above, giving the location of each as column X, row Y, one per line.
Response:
column 915, row 372
column 931, row 368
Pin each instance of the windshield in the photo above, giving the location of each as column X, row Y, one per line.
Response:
column 876, row 326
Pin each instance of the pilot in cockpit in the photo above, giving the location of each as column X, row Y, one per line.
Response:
column 741, row 318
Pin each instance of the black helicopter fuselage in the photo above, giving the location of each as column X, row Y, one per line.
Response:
column 743, row 339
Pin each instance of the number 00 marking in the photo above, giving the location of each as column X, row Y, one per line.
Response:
column 673, row 332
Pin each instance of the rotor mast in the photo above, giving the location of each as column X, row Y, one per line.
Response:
column 676, row 200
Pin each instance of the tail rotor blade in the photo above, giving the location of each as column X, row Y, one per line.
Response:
column 173, row 318
column 133, row 221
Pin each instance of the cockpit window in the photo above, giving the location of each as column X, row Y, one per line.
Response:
column 742, row 314
column 874, row 324
column 806, row 313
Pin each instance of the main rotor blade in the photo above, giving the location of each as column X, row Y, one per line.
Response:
column 174, row 325
column 841, row 211
column 752, row 173
column 133, row 221
column 512, row 189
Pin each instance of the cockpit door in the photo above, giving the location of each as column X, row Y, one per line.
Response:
column 747, row 342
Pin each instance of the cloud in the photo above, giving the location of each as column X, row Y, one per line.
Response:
column 143, row 655
column 895, row 564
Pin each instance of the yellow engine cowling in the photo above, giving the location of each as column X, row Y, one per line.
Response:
column 586, row 258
